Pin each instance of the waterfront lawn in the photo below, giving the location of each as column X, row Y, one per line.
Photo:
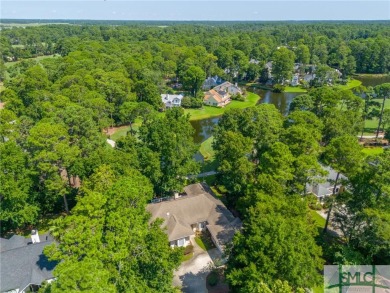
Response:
column 294, row 89
column 209, row 111
column 350, row 84
column 206, row 149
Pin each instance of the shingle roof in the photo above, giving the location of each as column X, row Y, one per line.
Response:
column 197, row 206
column 23, row 264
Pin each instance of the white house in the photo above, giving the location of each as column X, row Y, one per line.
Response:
column 171, row 100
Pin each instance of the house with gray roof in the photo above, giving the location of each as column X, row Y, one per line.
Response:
column 196, row 211
column 211, row 82
column 324, row 189
column 228, row 87
column 171, row 101
column 23, row 265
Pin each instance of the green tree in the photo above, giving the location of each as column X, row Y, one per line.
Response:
column 268, row 227
column 18, row 203
column 344, row 155
column 282, row 65
column 302, row 53
column 170, row 137
column 110, row 234
column 383, row 92
column 193, row 79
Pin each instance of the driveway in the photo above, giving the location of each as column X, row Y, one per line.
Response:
column 191, row 275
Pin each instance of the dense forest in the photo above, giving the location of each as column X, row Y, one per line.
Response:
column 56, row 164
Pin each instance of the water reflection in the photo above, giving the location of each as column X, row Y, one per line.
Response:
column 204, row 128
column 372, row 80
column 281, row 101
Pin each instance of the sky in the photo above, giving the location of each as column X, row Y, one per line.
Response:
column 255, row 10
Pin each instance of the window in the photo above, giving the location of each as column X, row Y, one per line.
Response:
column 181, row 242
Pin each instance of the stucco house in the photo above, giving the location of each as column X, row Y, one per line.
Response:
column 171, row 101
column 23, row 265
column 216, row 98
column 196, row 211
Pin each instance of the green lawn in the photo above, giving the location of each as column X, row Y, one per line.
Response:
column 208, row 111
column 186, row 257
column 206, row 149
column 204, row 241
column 350, row 84
column 294, row 89
column 320, row 221
column 124, row 130
column 373, row 151
column 370, row 126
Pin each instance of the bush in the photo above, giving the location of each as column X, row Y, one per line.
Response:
column 278, row 88
column 212, row 278
column 313, row 202
column 387, row 134
column 188, row 102
column 189, row 249
column 238, row 97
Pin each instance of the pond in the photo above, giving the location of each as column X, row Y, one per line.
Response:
column 373, row 80
column 204, row 128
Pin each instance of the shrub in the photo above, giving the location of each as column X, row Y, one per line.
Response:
column 212, row 278
column 313, row 202
column 238, row 97
column 189, row 249
column 188, row 102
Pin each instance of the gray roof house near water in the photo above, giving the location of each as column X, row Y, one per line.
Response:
column 23, row 265
column 196, row 211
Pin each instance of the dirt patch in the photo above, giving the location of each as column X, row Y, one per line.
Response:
column 2, row 105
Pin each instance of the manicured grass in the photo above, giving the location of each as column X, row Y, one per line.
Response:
column 320, row 221
column 294, row 89
column 204, row 241
column 206, row 149
column 350, row 84
column 373, row 151
column 186, row 257
column 124, row 130
column 208, row 111
column 370, row 126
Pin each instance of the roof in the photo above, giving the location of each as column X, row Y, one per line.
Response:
column 23, row 263
column 326, row 188
column 214, row 94
column 197, row 206
column 169, row 98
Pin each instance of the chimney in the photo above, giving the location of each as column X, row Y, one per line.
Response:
column 35, row 236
